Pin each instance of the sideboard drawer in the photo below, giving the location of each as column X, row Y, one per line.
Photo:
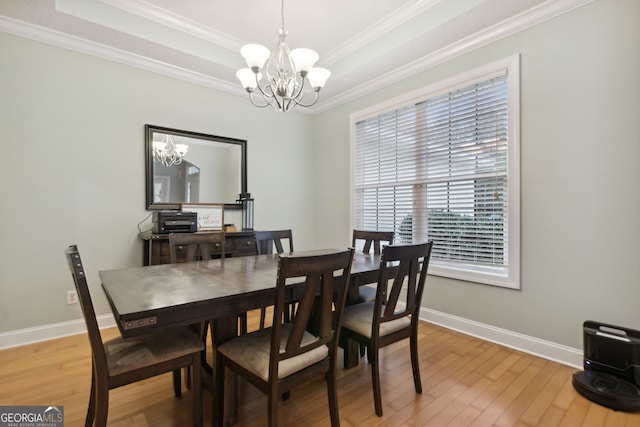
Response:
column 244, row 246
column 156, row 247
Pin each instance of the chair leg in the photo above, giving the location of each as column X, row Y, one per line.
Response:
column 91, row 410
column 177, row 387
column 372, row 355
column 102, row 404
column 218, row 400
column 208, row 325
column 333, row 398
column 413, row 344
column 196, row 388
column 272, row 411
column 263, row 317
column 201, row 329
column 243, row 323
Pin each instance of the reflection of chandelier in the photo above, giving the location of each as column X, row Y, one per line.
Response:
column 168, row 153
column 283, row 85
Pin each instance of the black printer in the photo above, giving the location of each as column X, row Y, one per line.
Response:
column 175, row 222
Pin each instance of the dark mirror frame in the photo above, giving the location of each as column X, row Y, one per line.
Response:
column 149, row 165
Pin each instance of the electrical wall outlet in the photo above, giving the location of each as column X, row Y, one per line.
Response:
column 72, row 297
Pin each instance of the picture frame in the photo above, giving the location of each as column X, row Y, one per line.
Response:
column 210, row 215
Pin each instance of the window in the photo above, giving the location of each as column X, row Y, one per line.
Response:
column 443, row 164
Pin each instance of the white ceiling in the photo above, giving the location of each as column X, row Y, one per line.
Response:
column 365, row 43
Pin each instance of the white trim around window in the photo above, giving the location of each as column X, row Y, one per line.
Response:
column 375, row 193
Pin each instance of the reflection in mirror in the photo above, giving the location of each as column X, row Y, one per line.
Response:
column 213, row 169
column 186, row 183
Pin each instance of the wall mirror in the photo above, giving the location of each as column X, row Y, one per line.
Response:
column 212, row 170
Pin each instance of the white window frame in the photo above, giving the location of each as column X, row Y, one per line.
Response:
column 508, row 277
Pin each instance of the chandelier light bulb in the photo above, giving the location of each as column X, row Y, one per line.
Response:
column 255, row 55
column 304, row 59
column 248, row 78
column 318, row 77
column 159, row 146
column 182, row 149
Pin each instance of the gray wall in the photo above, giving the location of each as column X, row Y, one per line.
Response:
column 580, row 176
column 72, row 131
column 73, row 172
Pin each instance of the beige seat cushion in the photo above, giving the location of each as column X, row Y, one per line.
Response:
column 359, row 317
column 252, row 352
column 127, row 354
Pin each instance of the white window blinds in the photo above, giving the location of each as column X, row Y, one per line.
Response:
column 438, row 170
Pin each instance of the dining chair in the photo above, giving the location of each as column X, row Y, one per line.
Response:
column 121, row 361
column 196, row 247
column 285, row 355
column 370, row 239
column 266, row 240
column 393, row 316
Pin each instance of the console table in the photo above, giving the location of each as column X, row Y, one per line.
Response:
column 156, row 246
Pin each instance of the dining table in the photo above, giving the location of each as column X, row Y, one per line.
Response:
column 149, row 298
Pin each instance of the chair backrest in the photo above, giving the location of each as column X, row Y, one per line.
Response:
column 402, row 265
column 196, row 246
column 266, row 240
column 372, row 239
column 326, row 277
column 84, row 298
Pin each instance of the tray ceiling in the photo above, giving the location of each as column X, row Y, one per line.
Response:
column 366, row 44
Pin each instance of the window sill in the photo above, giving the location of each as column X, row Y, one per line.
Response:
column 494, row 276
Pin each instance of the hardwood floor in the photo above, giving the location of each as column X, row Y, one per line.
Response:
column 466, row 382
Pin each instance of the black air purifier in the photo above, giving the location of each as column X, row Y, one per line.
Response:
column 611, row 375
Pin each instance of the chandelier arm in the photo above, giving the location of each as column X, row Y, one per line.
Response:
column 279, row 103
column 266, row 103
column 286, row 106
column 302, row 104
column 262, row 91
column 298, row 88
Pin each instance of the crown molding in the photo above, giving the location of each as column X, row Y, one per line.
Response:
column 535, row 16
column 76, row 44
column 171, row 20
column 541, row 13
column 378, row 30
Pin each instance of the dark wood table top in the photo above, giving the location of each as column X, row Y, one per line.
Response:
column 151, row 297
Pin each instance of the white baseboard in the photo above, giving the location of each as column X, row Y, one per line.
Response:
column 49, row 332
column 546, row 349
column 541, row 348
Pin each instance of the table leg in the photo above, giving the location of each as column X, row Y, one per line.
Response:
column 352, row 348
column 351, row 353
column 223, row 330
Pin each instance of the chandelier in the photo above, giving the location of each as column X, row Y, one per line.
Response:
column 168, row 153
column 285, row 74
